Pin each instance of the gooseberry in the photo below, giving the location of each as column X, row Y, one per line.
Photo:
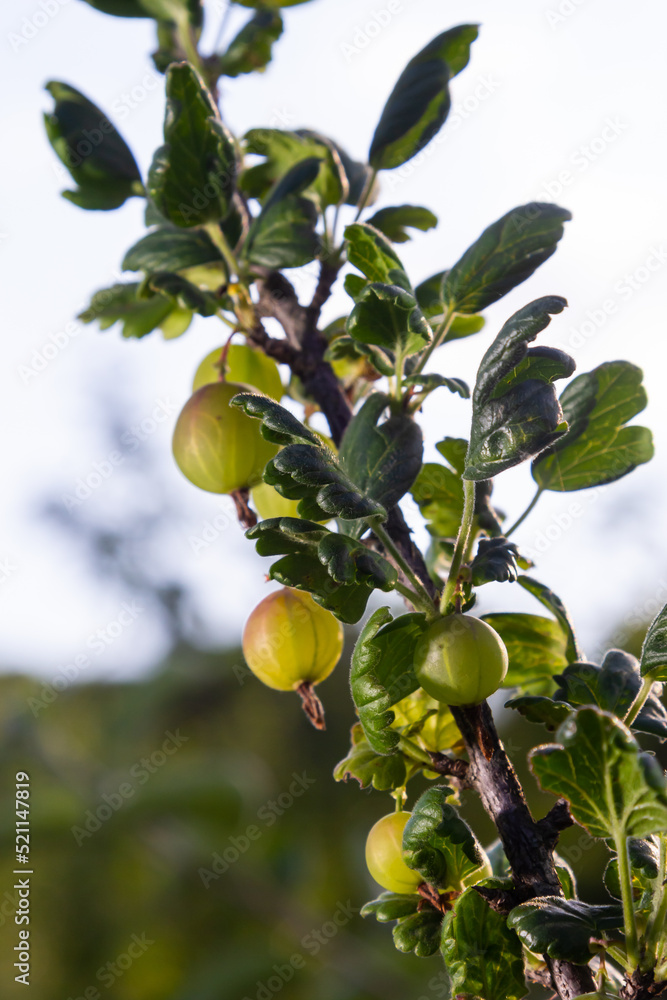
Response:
column 268, row 502
column 384, row 855
column 460, row 660
column 291, row 644
column 242, row 364
column 216, row 446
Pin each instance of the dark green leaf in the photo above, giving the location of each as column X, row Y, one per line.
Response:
column 536, row 647
column 278, row 424
column 394, row 222
column 562, row 928
column 495, row 561
column 597, row 447
column 338, row 571
column 251, row 49
column 439, row 845
column 614, row 790
column 161, row 10
column 96, row 156
column 644, row 857
column 505, row 254
column 374, row 256
column 430, row 298
column 654, row 650
column 191, row 178
column 184, row 294
column 389, row 317
column 283, row 234
column 428, row 383
column 613, row 688
column 482, row 955
column 438, row 491
column 515, row 415
column 139, row 316
column 384, row 459
column 369, row 768
column 541, row 710
column 282, row 150
column 419, row 933
column 419, row 103
column 551, row 601
column 172, row 249
column 416, row 930
column 382, row 673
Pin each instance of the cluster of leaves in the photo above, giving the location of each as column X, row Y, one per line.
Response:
column 218, row 222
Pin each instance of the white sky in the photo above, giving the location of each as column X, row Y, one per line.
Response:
column 554, row 86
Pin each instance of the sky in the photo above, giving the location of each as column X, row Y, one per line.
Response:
column 563, row 101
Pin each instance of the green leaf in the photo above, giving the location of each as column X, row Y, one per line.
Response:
column 536, row 648
column 183, row 293
column 431, row 302
column 654, row 650
column 419, row 933
column 95, row 154
column 613, row 688
column 283, row 234
column 384, row 459
column 139, row 316
column 394, row 222
column 540, row 710
column 382, row 673
column 338, row 571
column 644, row 857
column 389, row 317
column 427, row 384
column 374, row 256
column 562, row 928
column 597, row 447
column 482, row 955
column 495, row 561
column 191, row 179
column 416, row 930
column 252, row 48
column 161, row 10
column 614, row 789
column 282, row 150
column 503, row 257
column 438, row 844
column 419, row 103
column 278, row 424
column 173, row 249
column 516, row 414
column 553, row 602
column 438, row 491
column 306, row 469
column 369, row 768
